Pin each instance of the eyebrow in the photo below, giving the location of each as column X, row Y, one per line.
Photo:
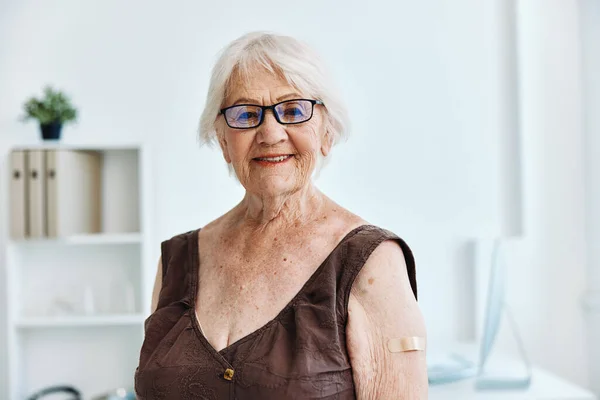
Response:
column 293, row 95
column 246, row 100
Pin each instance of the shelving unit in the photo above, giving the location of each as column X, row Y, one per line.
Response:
column 98, row 238
column 80, row 321
column 77, row 304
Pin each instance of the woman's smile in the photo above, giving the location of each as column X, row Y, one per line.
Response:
column 272, row 160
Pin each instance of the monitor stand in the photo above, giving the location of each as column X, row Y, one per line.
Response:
column 486, row 381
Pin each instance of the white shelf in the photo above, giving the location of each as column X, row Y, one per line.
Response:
column 62, row 145
column 93, row 238
column 47, row 274
column 80, row 321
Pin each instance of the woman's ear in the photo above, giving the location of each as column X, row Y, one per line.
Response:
column 224, row 148
column 326, row 143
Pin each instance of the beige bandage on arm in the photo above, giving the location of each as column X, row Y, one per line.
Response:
column 413, row 343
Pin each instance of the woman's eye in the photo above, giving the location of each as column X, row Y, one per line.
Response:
column 247, row 115
column 293, row 111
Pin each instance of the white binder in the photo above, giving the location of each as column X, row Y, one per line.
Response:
column 18, row 196
column 35, row 182
column 73, row 192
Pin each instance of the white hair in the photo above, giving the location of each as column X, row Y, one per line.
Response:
column 288, row 57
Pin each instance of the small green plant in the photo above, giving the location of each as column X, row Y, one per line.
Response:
column 55, row 106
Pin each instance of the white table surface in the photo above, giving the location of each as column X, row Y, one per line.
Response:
column 544, row 385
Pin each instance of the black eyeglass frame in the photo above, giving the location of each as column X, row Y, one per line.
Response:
column 272, row 108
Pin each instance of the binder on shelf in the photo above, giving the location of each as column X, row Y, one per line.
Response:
column 36, row 182
column 73, row 192
column 18, row 195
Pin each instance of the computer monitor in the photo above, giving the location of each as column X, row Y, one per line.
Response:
column 458, row 367
column 495, row 301
column 495, row 308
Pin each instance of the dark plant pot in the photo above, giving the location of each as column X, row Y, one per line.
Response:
column 51, row 131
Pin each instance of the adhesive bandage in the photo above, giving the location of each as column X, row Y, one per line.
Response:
column 413, row 343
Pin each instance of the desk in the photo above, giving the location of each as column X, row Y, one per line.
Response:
column 544, row 385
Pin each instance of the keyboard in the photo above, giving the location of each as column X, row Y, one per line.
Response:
column 450, row 368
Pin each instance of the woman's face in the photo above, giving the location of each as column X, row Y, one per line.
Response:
column 246, row 149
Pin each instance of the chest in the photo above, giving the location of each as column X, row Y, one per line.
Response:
column 261, row 277
column 243, row 287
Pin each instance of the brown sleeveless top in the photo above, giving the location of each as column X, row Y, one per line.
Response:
column 300, row 354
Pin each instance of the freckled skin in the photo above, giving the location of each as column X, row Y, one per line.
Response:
column 373, row 319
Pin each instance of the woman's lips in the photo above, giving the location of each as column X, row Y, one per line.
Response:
column 272, row 160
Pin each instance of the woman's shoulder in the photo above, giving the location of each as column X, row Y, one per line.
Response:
column 211, row 228
column 214, row 229
column 343, row 223
column 178, row 237
column 348, row 223
column 342, row 218
column 365, row 235
column 374, row 250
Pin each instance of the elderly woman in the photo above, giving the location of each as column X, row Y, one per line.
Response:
column 288, row 295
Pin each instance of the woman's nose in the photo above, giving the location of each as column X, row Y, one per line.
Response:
column 270, row 132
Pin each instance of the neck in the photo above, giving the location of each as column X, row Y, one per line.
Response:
column 283, row 209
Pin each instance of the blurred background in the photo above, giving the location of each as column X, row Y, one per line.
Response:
column 471, row 121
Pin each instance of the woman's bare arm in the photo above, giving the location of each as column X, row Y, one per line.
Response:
column 381, row 307
column 157, row 286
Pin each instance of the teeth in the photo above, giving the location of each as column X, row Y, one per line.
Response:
column 273, row 159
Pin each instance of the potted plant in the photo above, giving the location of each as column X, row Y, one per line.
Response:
column 52, row 111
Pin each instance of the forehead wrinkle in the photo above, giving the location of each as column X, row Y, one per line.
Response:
column 251, row 100
column 242, row 94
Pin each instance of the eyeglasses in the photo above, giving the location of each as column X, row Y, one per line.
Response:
column 289, row 112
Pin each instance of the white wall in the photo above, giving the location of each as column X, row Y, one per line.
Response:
column 590, row 29
column 548, row 262
column 435, row 174
column 143, row 75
